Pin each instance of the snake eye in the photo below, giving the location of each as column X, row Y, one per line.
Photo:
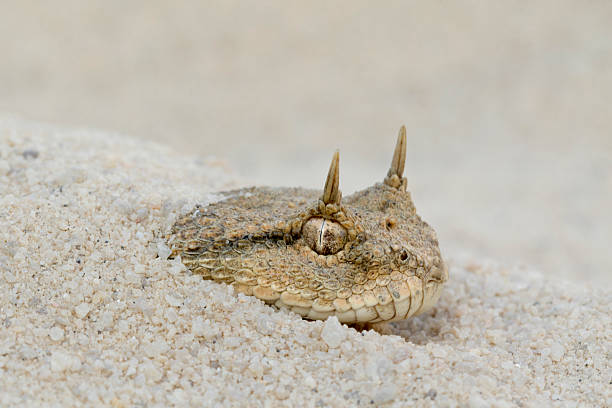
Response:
column 404, row 255
column 323, row 236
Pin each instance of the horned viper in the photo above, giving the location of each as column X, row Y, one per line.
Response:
column 365, row 258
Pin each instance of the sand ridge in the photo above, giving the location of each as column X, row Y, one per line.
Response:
column 93, row 312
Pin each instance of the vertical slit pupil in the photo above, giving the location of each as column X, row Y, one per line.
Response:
column 321, row 233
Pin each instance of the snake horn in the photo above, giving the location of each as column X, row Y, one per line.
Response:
column 331, row 191
column 396, row 171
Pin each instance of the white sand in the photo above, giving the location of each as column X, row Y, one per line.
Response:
column 92, row 312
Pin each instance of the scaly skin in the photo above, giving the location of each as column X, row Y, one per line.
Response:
column 367, row 258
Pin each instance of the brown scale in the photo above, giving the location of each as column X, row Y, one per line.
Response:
column 366, row 258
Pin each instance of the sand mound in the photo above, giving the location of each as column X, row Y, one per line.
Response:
column 93, row 312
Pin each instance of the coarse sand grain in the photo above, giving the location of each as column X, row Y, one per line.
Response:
column 94, row 313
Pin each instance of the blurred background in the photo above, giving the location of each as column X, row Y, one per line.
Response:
column 508, row 105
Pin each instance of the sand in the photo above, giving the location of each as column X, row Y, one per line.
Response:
column 93, row 312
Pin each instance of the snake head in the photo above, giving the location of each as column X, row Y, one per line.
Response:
column 366, row 258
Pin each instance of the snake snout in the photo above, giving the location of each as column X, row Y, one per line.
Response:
column 438, row 274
